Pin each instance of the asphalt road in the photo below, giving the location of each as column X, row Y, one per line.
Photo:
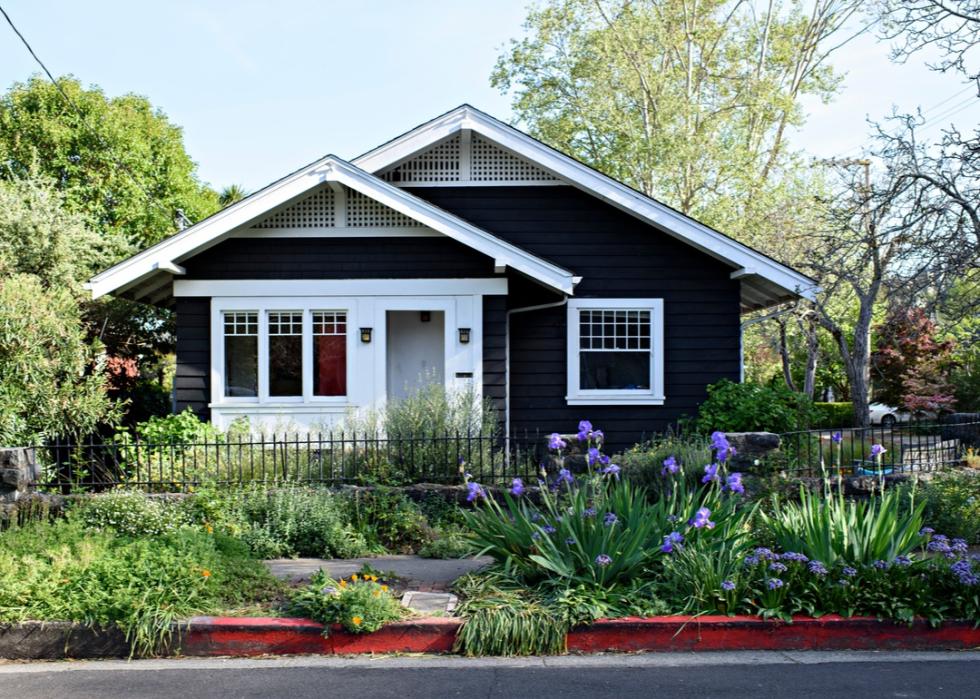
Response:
column 825, row 675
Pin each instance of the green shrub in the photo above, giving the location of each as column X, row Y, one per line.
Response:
column 748, row 407
column 179, row 428
column 67, row 572
column 832, row 415
column 130, row 513
column 450, row 542
column 299, row 521
column 389, row 520
column 952, row 504
column 360, row 605
column 643, row 463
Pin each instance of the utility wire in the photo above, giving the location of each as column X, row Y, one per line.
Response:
column 178, row 214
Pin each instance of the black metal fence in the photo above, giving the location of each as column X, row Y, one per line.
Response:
column 909, row 447
column 332, row 459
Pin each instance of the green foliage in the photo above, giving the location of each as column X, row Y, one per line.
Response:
column 952, row 503
column 64, row 571
column 745, row 407
column 178, row 428
column 298, row 521
column 448, row 542
column 643, row 463
column 360, row 605
column 389, row 520
column 831, row 529
column 130, row 513
column 830, row 415
column 41, row 134
column 50, row 379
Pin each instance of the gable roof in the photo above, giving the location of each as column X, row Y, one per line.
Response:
column 764, row 281
column 148, row 274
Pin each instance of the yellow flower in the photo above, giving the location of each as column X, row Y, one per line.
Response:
column 356, row 621
column 343, row 583
column 384, row 588
column 377, row 593
column 353, row 578
column 206, row 573
column 374, row 578
column 209, row 529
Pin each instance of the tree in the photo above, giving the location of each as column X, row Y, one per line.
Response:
column 951, row 26
column 689, row 101
column 50, row 379
column 911, row 363
column 230, row 194
column 119, row 161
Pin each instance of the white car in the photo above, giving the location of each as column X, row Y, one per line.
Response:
column 886, row 415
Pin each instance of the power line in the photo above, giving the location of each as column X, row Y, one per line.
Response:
column 178, row 214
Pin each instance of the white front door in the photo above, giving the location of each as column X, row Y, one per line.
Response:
column 416, row 356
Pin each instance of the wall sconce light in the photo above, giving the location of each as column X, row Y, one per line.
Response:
column 464, row 336
column 365, row 335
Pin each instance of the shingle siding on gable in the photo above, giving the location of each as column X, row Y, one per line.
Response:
column 338, row 258
column 618, row 256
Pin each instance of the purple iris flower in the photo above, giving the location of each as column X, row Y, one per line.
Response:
column 565, row 476
column 836, row 438
column 672, row 541
column 849, row 572
column 569, row 541
column 548, row 529
column 710, row 473
column 592, row 456
column 610, row 519
column 734, row 483
column 588, row 512
column 517, row 487
column 602, row 560
column 598, row 436
column 903, row 561
column 611, row 470
column 926, row 531
column 584, row 430
column 774, row 583
column 701, row 519
column 604, row 460
column 881, row 565
column 475, row 492
column 727, row 585
column 719, row 442
column 670, row 466
column 555, row 442
column 877, row 450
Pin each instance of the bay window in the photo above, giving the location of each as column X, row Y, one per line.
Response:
column 615, row 351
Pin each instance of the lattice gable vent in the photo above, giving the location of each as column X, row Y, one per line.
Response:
column 324, row 208
column 462, row 159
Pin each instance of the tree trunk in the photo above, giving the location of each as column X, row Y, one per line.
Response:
column 859, row 362
column 812, row 357
column 784, row 356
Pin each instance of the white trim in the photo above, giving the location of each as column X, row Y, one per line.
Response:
column 338, row 287
column 482, row 183
column 335, row 232
column 573, row 172
column 334, row 170
column 652, row 396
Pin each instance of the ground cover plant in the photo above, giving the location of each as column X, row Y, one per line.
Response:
column 593, row 545
column 96, row 569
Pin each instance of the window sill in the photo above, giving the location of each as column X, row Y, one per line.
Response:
column 614, row 400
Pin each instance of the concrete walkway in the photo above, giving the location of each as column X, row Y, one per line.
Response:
column 422, row 574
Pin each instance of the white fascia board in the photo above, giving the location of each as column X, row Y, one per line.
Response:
column 451, row 226
column 573, row 172
column 166, row 252
column 164, row 255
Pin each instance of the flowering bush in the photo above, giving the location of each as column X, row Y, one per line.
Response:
column 130, row 513
column 361, row 604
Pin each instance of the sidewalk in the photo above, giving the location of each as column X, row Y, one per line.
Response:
column 415, row 573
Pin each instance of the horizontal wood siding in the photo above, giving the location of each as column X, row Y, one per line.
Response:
column 494, row 352
column 618, row 256
column 338, row 258
column 193, row 376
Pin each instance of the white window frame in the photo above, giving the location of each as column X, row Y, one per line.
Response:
column 265, row 306
column 651, row 396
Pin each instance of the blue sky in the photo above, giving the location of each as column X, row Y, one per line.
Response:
column 261, row 88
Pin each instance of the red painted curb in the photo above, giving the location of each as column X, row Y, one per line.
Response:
column 214, row 636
